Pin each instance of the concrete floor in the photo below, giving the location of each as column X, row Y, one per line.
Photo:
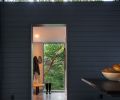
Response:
column 52, row 96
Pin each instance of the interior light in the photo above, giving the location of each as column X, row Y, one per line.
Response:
column 36, row 36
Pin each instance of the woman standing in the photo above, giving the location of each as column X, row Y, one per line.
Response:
column 36, row 70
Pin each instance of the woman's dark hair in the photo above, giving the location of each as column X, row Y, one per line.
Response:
column 35, row 60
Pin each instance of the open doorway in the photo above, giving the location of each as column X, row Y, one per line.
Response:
column 49, row 62
column 54, row 65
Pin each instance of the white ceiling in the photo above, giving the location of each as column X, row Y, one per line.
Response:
column 49, row 33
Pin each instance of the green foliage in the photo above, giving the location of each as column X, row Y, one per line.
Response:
column 54, row 71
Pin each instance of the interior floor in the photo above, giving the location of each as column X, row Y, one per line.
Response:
column 52, row 96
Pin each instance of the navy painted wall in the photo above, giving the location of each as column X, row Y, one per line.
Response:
column 93, row 43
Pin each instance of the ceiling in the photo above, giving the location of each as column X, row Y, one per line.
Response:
column 49, row 33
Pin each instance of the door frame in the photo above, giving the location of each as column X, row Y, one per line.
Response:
column 66, row 55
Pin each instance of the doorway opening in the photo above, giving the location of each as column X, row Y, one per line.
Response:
column 49, row 61
column 54, row 65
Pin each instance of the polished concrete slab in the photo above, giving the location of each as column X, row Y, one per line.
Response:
column 52, row 96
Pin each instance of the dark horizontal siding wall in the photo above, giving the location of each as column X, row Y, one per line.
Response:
column 93, row 43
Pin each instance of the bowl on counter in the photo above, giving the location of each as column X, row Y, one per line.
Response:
column 112, row 73
column 113, row 76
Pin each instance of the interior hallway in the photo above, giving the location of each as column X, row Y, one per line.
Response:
column 52, row 96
